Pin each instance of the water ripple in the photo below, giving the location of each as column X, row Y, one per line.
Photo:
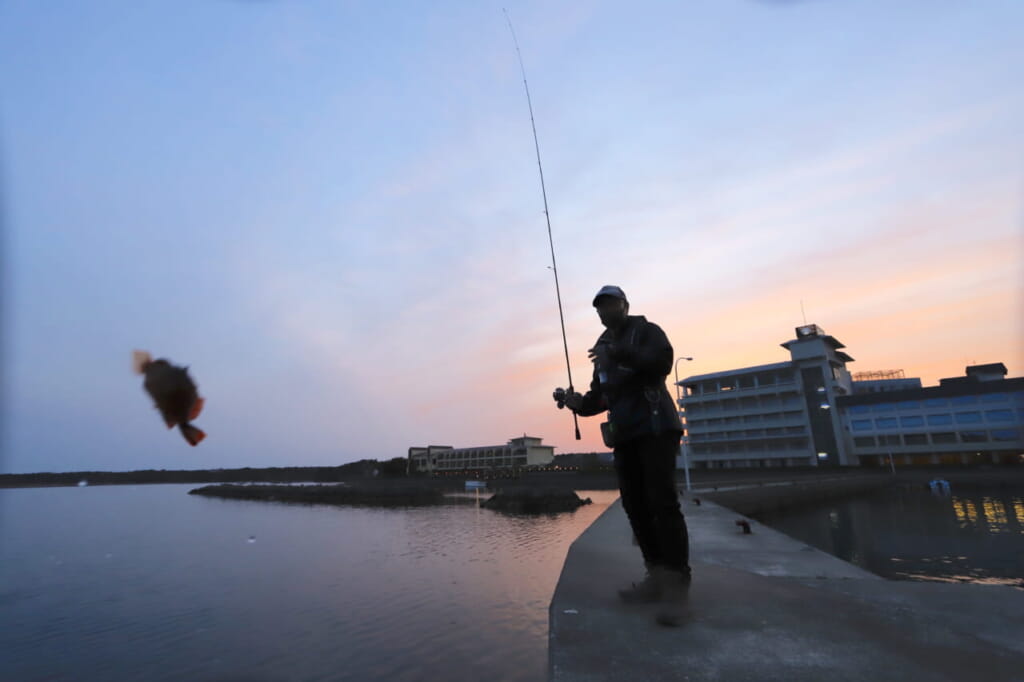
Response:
column 147, row 582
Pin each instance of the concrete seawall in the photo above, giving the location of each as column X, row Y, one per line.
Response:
column 769, row 496
column 766, row 607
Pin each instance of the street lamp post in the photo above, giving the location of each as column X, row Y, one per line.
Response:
column 682, row 441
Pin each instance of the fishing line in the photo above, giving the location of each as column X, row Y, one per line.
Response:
column 547, row 216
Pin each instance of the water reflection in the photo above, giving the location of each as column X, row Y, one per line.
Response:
column 911, row 533
column 994, row 512
column 147, row 582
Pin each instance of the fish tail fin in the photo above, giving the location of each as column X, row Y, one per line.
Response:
column 140, row 360
column 193, row 435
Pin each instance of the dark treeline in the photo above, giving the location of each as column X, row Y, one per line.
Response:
column 363, row 469
column 402, row 495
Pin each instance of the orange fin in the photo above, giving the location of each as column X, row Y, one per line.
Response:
column 197, row 407
column 140, row 361
column 170, row 421
column 193, row 435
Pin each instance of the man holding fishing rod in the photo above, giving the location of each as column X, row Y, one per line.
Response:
column 632, row 358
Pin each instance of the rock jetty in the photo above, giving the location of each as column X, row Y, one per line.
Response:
column 535, row 501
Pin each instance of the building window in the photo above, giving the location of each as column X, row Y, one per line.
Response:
column 999, row 415
column 912, row 421
column 939, row 420
column 864, row 441
column 974, row 436
column 995, row 398
column 915, row 439
column 968, row 417
column 935, row 402
column 964, row 400
column 884, row 407
column 861, row 424
column 889, row 440
column 886, row 423
column 909, row 405
column 1003, row 435
column 860, row 409
column 943, row 438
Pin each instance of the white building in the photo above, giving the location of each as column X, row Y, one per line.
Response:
column 770, row 415
column 520, row 452
column 809, row 411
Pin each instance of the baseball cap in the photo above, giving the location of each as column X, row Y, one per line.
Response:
column 610, row 290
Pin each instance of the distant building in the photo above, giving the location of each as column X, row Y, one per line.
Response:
column 810, row 411
column 770, row 415
column 525, row 451
column 974, row 419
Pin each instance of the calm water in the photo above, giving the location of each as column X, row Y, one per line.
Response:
column 967, row 535
column 149, row 583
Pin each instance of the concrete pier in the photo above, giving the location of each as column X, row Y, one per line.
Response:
column 765, row 607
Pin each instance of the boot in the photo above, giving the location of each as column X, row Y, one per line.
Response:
column 646, row 591
column 675, row 592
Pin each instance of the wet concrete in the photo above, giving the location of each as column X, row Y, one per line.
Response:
column 766, row 607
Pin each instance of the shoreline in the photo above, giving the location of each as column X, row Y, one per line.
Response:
column 706, row 481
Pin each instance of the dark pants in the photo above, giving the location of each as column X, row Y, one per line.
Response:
column 646, row 470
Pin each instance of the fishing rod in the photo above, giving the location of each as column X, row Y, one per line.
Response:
column 547, row 215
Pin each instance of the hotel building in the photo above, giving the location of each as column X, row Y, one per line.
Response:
column 520, row 452
column 810, row 411
column 973, row 419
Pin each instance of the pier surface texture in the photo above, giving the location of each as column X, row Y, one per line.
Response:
column 767, row 607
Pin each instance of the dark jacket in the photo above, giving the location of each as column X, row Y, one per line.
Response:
column 633, row 388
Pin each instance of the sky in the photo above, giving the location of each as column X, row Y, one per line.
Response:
column 331, row 211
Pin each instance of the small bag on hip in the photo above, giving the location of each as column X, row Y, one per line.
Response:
column 608, row 434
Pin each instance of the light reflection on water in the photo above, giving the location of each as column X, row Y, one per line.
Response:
column 147, row 582
column 970, row 535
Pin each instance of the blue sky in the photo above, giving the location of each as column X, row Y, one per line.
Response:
column 331, row 210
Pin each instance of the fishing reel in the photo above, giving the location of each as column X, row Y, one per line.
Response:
column 563, row 396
